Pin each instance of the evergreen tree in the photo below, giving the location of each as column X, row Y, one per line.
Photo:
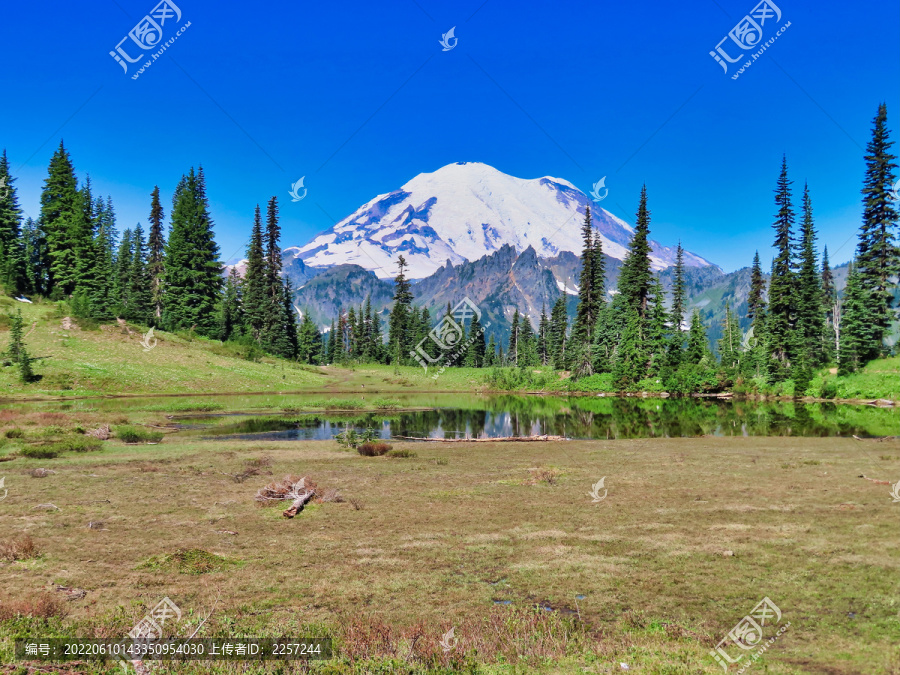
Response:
column 16, row 344
column 731, row 344
column 526, row 344
column 781, row 317
column 635, row 276
column 559, row 323
column 102, row 298
column 193, row 274
column 543, row 346
column 698, row 343
column 156, row 242
column 17, row 352
column 332, row 344
column 121, row 285
column 309, row 346
column 632, row 311
column 512, row 347
column 657, row 333
column 140, row 289
column 590, row 289
column 377, row 338
column 288, row 343
column 255, row 280
column 490, row 353
column 855, row 330
column 476, row 350
column 607, row 336
column 351, row 334
column 60, row 218
column 679, row 293
column 756, row 302
column 877, row 256
column 399, row 338
column 13, row 258
column 275, row 335
column 830, row 302
column 809, row 306
column 37, row 263
column 232, row 315
column 83, row 231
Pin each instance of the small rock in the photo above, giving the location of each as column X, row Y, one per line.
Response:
column 727, row 554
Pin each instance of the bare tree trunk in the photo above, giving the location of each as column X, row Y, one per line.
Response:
column 298, row 504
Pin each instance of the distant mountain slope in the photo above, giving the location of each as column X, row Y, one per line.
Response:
column 339, row 288
column 463, row 212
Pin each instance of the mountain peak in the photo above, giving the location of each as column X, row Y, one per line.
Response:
column 463, row 211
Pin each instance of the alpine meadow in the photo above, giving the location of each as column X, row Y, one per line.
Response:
column 596, row 370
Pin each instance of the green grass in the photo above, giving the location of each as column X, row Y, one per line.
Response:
column 878, row 379
column 106, row 360
column 129, row 434
column 189, row 561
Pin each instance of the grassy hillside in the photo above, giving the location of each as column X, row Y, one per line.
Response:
column 107, row 360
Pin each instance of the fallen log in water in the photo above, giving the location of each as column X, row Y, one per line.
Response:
column 501, row 439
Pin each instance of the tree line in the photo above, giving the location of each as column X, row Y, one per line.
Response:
column 169, row 278
column 636, row 335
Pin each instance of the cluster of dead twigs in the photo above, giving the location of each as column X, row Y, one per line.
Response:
column 299, row 490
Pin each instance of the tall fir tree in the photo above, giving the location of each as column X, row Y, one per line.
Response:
column 658, row 339
column 559, row 325
column 756, row 301
column 590, row 289
column 37, row 262
column 730, row 344
column 781, row 316
column 698, row 342
column 255, row 280
column 121, row 280
column 635, row 284
column 140, row 289
column 273, row 334
column 877, row 255
column 13, row 259
column 60, row 220
column 810, row 310
column 156, row 244
column 544, row 337
column 635, row 275
column 476, row 349
column 102, row 299
column 490, row 353
column 512, row 347
column 231, row 323
column 679, row 292
column 399, row 339
column 855, row 330
column 193, row 273
column 830, row 301
column 309, row 343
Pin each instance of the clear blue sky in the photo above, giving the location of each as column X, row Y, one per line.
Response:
column 359, row 97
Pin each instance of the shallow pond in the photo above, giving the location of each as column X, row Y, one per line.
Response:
column 308, row 417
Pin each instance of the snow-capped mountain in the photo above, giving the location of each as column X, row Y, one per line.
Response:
column 463, row 212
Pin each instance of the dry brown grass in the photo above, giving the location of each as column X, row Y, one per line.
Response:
column 40, row 606
column 20, row 547
column 543, row 474
column 373, row 449
column 438, row 543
